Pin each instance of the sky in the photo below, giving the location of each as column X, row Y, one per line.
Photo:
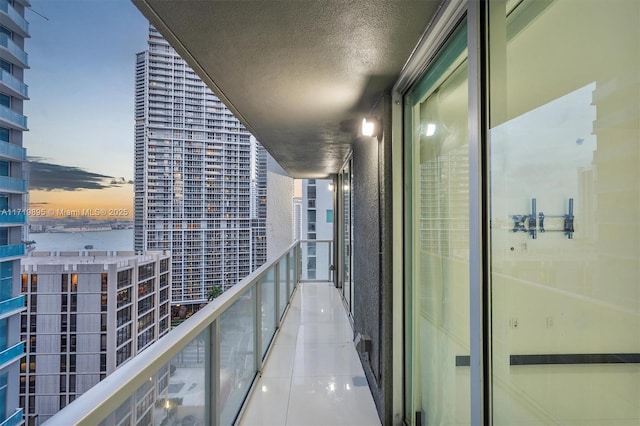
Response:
column 80, row 113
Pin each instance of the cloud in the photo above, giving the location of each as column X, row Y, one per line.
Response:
column 45, row 176
column 120, row 181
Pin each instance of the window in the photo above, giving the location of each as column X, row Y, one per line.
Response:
column 104, row 278
column 329, row 216
column 6, row 66
column 73, row 324
column 74, row 282
column 311, row 192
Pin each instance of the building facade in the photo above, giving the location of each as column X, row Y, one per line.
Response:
column 316, row 226
column 14, row 29
column 87, row 314
column 199, row 178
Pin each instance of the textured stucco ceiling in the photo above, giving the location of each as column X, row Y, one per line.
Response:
column 299, row 74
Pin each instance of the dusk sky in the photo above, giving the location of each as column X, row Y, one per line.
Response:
column 80, row 112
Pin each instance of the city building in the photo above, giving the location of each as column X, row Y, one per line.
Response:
column 200, row 178
column 14, row 29
column 316, row 227
column 486, row 162
column 297, row 217
column 87, row 314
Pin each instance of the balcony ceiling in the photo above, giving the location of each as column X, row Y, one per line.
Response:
column 300, row 74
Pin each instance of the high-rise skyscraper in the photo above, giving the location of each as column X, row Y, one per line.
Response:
column 13, row 188
column 195, row 177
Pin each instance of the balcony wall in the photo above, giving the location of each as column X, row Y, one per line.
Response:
column 11, row 19
column 11, row 354
column 10, row 51
column 11, row 306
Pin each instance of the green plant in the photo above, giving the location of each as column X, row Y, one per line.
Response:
column 214, row 292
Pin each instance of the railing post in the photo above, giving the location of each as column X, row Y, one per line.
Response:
column 276, row 290
column 288, row 268
column 329, row 261
column 258, row 325
column 212, row 375
column 298, row 262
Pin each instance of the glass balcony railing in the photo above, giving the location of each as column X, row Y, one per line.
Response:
column 13, row 118
column 19, row 54
column 18, row 23
column 11, row 305
column 19, row 88
column 13, row 420
column 201, row 372
column 11, row 354
column 11, row 216
column 11, row 251
column 9, row 184
column 12, row 151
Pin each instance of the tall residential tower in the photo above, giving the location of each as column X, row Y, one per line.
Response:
column 195, row 178
column 13, row 188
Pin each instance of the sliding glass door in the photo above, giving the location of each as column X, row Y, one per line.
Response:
column 437, row 207
column 565, row 212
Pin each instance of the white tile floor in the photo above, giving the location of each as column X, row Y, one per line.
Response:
column 313, row 375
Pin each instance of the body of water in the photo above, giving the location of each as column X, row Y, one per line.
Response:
column 116, row 239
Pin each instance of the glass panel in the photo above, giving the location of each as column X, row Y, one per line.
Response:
column 184, row 395
column 282, row 294
column 347, row 228
column 268, row 313
column 439, row 386
column 565, row 212
column 237, row 355
column 293, row 260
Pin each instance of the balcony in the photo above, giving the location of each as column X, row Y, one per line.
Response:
column 11, row 355
column 9, row 51
column 12, row 19
column 14, row 420
column 207, row 370
column 15, row 250
column 12, row 185
column 12, row 151
column 12, row 306
column 10, row 118
column 9, row 217
column 13, row 86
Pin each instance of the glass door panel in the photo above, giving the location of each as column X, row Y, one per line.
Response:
column 438, row 386
column 347, row 235
column 565, row 212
